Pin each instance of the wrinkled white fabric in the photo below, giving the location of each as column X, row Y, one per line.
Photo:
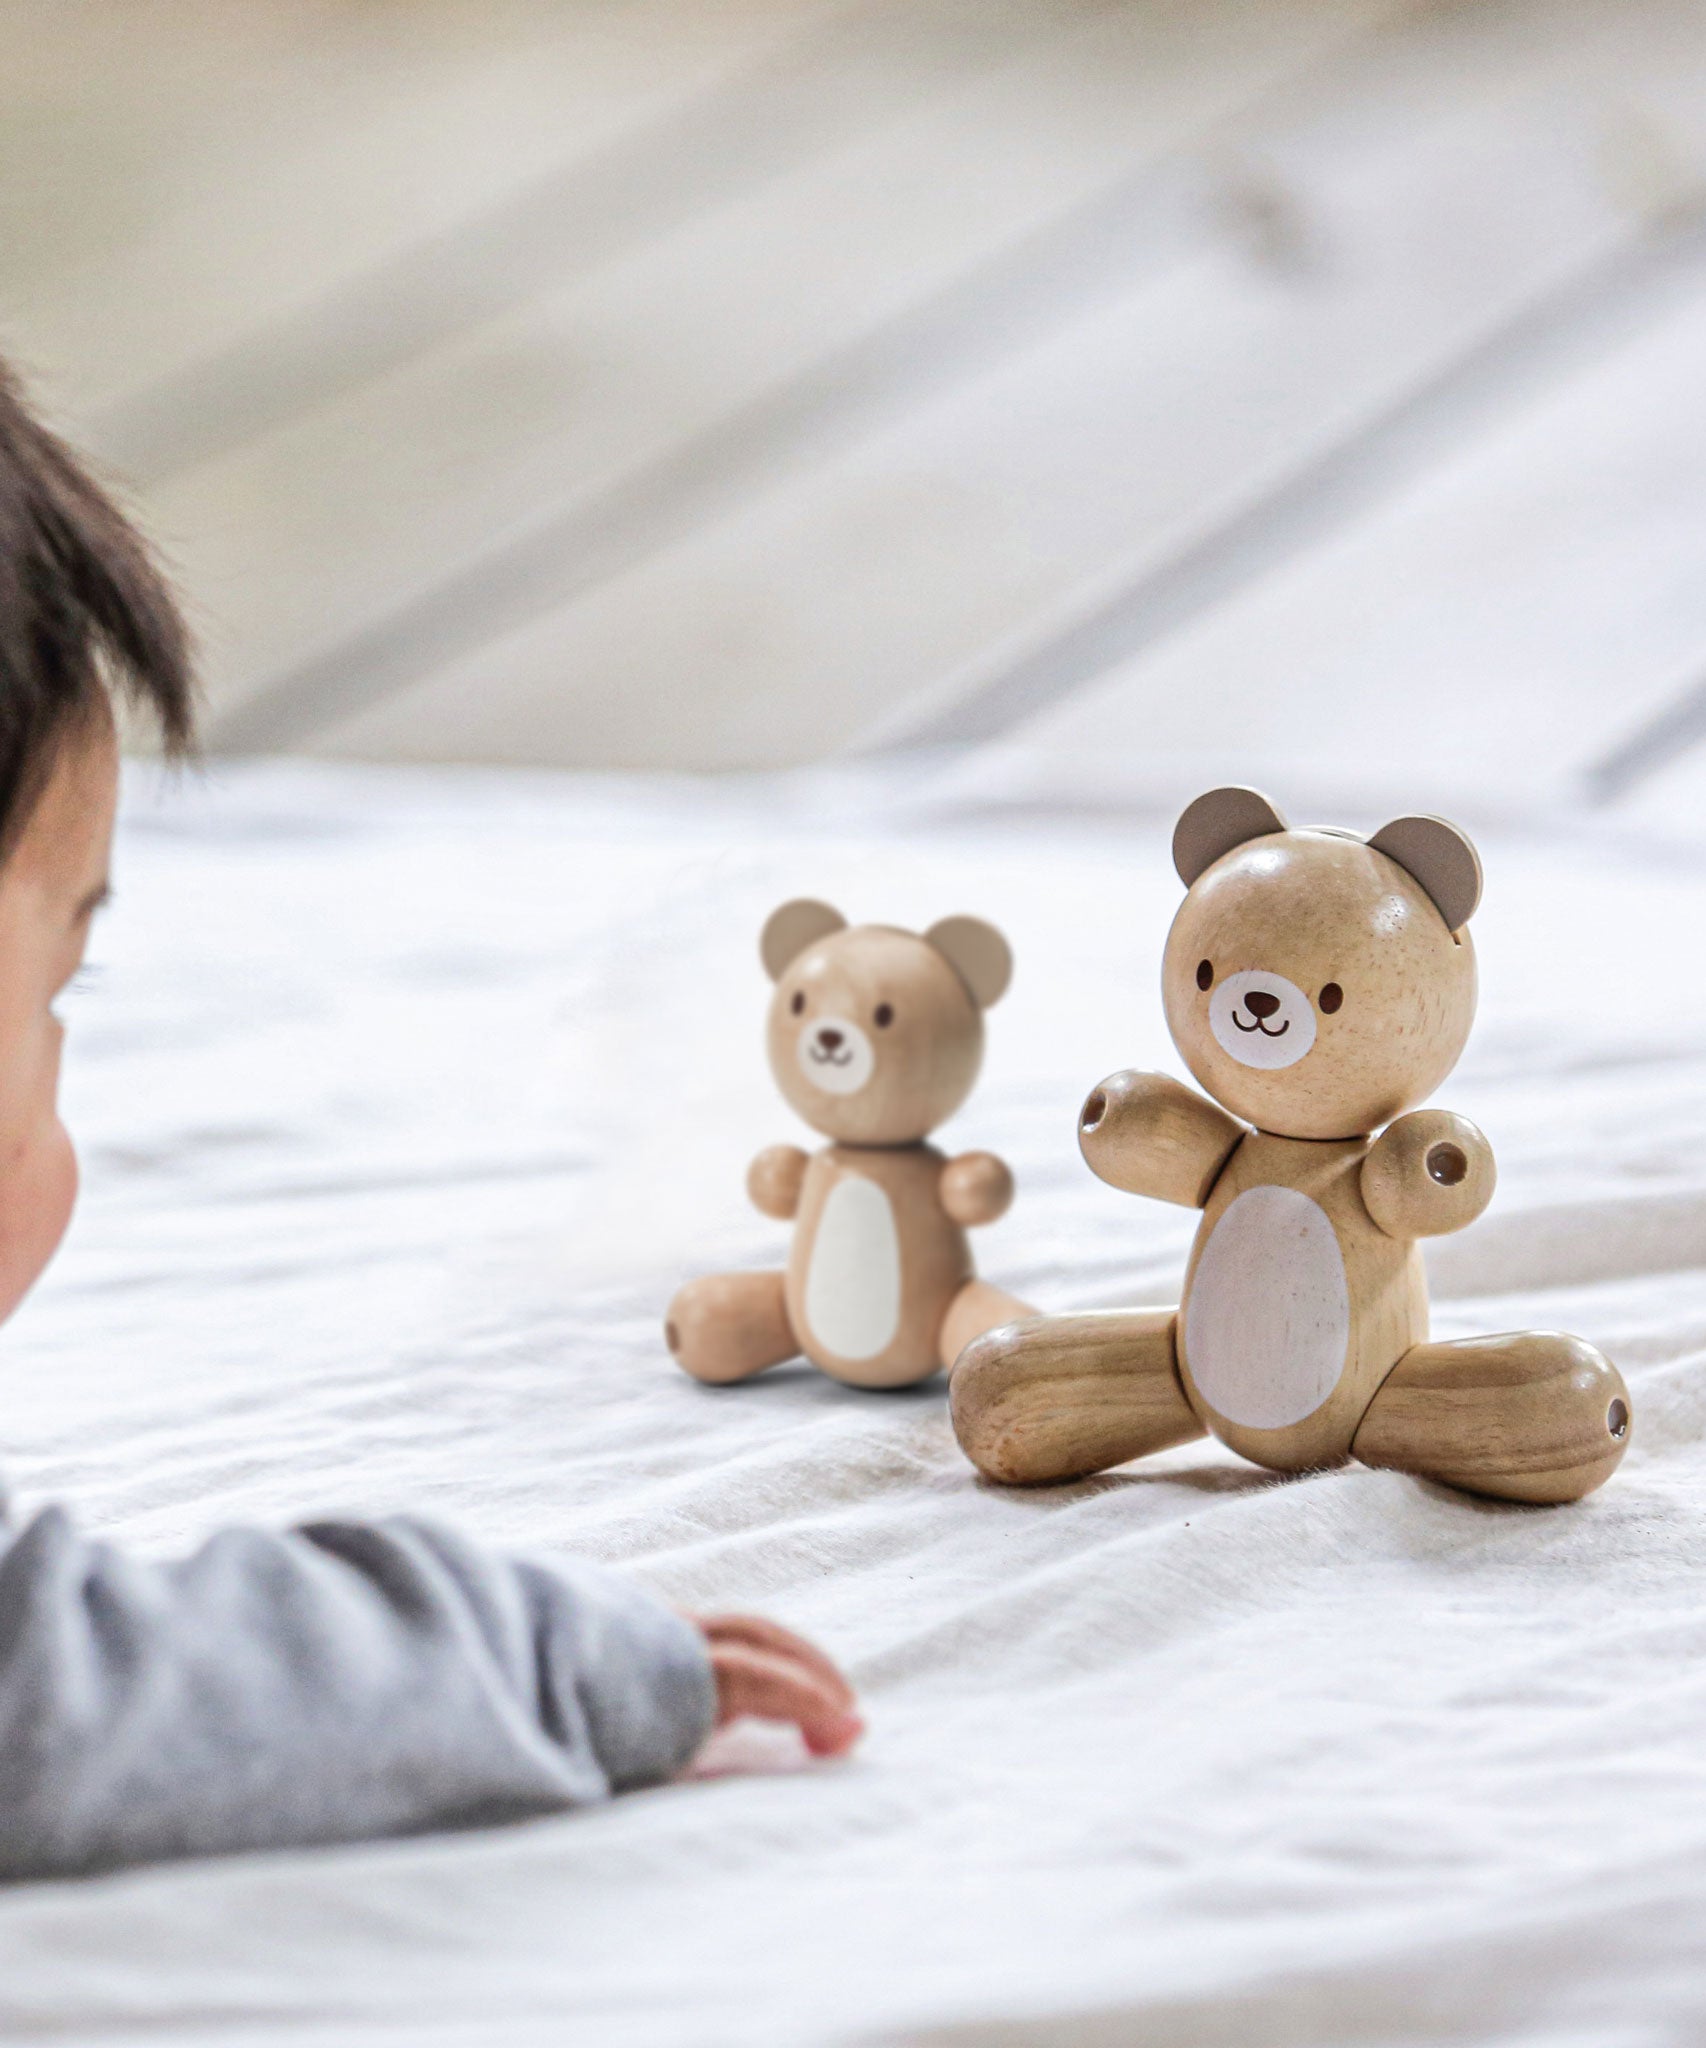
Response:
column 406, row 1101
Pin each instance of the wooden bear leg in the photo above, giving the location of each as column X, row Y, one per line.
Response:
column 1062, row 1396
column 1533, row 1416
column 730, row 1326
column 976, row 1308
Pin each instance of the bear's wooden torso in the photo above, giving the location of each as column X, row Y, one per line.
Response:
column 876, row 1261
column 1296, row 1305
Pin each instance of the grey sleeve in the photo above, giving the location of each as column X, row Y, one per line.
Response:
column 335, row 1683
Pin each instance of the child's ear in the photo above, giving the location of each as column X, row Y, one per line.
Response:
column 978, row 953
column 1215, row 823
column 790, row 930
column 1441, row 858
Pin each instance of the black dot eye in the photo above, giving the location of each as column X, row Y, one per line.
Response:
column 1205, row 974
column 1331, row 997
column 883, row 1016
column 799, row 1003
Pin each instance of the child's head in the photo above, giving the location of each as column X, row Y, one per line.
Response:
column 83, row 613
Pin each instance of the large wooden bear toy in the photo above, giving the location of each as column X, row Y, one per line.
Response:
column 875, row 1038
column 1317, row 985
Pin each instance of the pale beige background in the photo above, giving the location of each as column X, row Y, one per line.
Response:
column 660, row 383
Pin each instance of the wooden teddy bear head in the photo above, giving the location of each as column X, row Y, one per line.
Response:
column 1318, row 984
column 876, row 1034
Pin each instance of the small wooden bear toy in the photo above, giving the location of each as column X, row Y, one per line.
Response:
column 875, row 1037
column 1317, row 985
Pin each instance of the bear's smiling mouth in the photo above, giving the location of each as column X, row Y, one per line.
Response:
column 823, row 1057
column 1258, row 1025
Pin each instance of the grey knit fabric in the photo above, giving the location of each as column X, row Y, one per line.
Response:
column 329, row 1684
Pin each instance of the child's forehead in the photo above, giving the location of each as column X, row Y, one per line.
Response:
column 66, row 840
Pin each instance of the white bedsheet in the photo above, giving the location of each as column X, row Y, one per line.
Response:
column 406, row 1101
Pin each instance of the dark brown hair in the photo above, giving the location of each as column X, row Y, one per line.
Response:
column 83, row 611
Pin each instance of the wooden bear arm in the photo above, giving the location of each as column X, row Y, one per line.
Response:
column 1427, row 1174
column 976, row 1187
column 1151, row 1135
column 774, row 1180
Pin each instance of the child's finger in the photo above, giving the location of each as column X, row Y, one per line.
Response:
column 764, row 1634
column 751, row 1681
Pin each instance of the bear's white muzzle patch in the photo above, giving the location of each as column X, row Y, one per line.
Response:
column 835, row 1055
column 1261, row 1019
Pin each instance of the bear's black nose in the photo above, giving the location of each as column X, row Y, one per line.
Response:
column 828, row 1039
column 1260, row 1004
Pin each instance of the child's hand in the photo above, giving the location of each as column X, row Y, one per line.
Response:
column 765, row 1670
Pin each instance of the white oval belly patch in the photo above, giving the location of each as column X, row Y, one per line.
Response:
column 1268, row 1323
column 853, row 1282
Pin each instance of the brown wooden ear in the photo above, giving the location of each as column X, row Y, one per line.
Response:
column 1216, row 823
column 789, row 931
column 978, row 954
column 1441, row 858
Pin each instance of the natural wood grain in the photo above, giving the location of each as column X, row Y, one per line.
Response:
column 935, row 1260
column 978, row 1307
column 1441, row 858
column 728, row 1327
column 977, row 952
column 1216, row 822
column 926, row 1056
column 1428, row 1174
column 1384, row 1283
column 1061, row 1396
column 1148, row 1134
column 774, row 1180
column 875, row 1036
column 1313, row 985
column 791, row 928
column 976, row 1187
column 1534, row 1416
column 1318, row 910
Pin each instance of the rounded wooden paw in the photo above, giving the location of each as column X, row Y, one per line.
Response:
column 1534, row 1416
